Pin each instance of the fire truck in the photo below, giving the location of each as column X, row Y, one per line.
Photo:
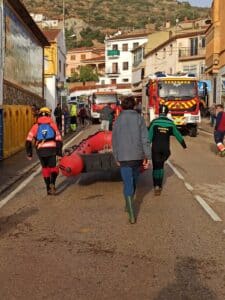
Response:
column 98, row 100
column 180, row 95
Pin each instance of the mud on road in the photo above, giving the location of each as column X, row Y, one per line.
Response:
column 80, row 245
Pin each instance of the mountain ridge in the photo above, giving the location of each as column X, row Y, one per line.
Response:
column 118, row 14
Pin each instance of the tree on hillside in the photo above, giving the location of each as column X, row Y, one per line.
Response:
column 70, row 39
column 87, row 74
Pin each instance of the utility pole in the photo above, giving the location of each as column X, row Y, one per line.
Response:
column 63, row 7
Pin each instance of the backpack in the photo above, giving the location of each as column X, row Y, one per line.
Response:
column 45, row 132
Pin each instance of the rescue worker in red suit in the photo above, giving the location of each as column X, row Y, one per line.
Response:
column 48, row 144
column 219, row 132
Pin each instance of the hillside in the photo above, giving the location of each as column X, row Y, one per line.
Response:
column 114, row 14
column 105, row 16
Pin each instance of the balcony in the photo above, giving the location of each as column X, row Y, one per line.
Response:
column 113, row 53
column 187, row 53
column 112, row 72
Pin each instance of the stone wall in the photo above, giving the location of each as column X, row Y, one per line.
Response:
column 14, row 95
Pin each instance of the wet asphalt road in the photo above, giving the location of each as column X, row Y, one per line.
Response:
column 79, row 244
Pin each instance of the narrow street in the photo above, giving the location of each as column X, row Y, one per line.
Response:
column 79, row 244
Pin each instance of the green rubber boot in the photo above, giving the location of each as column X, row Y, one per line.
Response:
column 130, row 208
column 126, row 205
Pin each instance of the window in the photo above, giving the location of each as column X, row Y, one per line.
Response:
column 125, row 65
column 135, row 45
column 194, row 46
column 72, row 70
column 113, row 81
column 164, row 52
column 125, row 80
column 202, row 69
column 102, row 82
column 203, row 42
column 60, row 66
column 83, row 56
column 125, row 47
column 115, row 68
column 190, row 69
column 171, row 49
column 138, row 57
column 73, row 57
column 115, row 47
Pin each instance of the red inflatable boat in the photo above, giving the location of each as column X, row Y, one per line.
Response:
column 73, row 163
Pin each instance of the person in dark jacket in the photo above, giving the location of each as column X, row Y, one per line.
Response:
column 159, row 135
column 131, row 149
column 58, row 116
column 220, row 129
column 48, row 144
column 106, row 116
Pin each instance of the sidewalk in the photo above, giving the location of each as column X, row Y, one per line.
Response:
column 16, row 166
column 205, row 125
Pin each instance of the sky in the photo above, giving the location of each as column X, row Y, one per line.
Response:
column 201, row 3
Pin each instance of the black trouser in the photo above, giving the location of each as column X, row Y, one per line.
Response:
column 50, row 169
column 158, row 160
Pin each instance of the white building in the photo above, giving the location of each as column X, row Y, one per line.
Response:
column 184, row 52
column 119, row 58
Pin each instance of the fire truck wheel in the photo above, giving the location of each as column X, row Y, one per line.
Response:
column 193, row 131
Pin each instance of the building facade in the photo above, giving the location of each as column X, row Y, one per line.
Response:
column 21, row 74
column 181, row 53
column 77, row 57
column 119, row 58
column 215, row 51
column 55, row 67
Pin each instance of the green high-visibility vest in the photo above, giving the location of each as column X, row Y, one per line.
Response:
column 73, row 110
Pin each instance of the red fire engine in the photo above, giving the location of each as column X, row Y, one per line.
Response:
column 180, row 94
column 98, row 101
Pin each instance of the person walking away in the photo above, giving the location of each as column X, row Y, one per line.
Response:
column 73, row 117
column 66, row 115
column 35, row 111
column 212, row 113
column 159, row 135
column 58, row 116
column 131, row 150
column 48, row 144
column 106, row 116
column 82, row 115
column 219, row 131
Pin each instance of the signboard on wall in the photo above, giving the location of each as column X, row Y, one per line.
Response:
column 23, row 63
column 1, row 54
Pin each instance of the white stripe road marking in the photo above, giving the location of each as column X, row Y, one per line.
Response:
column 205, row 132
column 30, row 178
column 19, row 188
column 208, row 209
column 188, row 186
column 200, row 200
column 175, row 170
